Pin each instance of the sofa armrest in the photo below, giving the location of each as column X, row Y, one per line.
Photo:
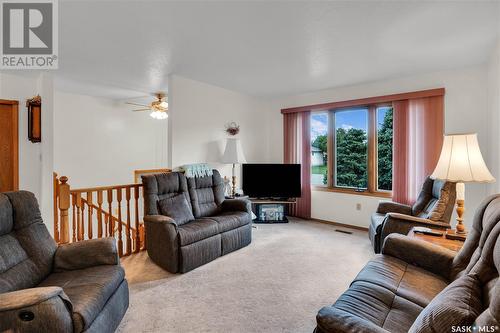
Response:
column 46, row 309
column 402, row 224
column 385, row 207
column 84, row 254
column 162, row 241
column 417, row 252
column 330, row 319
column 238, row 205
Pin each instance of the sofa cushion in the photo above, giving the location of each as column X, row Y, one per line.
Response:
column 197, row 230
column 378, row 305
column 26, row 246
column 457, row 305
column 160, row 186
column 407, row 281
column 207, row 194
column 88, row 290
column 231, row 220
column 176, row 207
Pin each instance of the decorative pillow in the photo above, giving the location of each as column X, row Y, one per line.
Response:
column 176, row 207
column 458, row 304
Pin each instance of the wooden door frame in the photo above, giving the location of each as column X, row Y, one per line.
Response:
column 15, row 138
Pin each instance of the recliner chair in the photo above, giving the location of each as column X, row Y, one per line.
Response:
column 433, row 209
column 78, row 287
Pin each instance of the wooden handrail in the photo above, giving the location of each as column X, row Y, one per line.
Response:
column 104, row 188
column 87, row 213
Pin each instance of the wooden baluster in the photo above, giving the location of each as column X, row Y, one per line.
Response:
column 127, row 231
column 120, row 242
column 74, row 209
column 56, row 208
column 78, row 215
column 64, row 202
column 110, row 213
column 137, row 236
column 90, row 213
column 81, row 223
column 99, row 214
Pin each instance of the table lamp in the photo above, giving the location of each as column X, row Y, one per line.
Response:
column 461, row 161
column 233, row 154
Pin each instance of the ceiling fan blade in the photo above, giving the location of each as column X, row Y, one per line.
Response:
column 131, row 103
column 148, row 109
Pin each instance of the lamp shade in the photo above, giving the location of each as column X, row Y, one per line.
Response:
column 233, row 152
column 461, row 160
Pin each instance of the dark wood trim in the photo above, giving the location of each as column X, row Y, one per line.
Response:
column 368, row 100
column 378, row 194
column 338, row 224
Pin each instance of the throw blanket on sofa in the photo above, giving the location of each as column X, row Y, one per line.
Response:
column 196, row 170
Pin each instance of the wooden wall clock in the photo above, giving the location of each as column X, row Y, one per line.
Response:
column 34, row 106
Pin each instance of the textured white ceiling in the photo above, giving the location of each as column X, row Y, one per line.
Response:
column 265, row 48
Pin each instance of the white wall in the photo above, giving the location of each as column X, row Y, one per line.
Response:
column 35, row 159
column 198, row 114
column 99, row 141
column 465, row 111
column 493, row 158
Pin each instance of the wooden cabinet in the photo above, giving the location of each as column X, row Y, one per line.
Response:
column 9, row 154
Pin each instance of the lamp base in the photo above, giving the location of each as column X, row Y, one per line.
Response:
column 460, row 227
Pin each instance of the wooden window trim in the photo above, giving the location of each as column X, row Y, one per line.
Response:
column 372, row 158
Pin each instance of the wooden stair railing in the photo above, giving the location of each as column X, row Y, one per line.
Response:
column 97, row 212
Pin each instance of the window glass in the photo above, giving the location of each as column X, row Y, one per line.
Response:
column 351, row 148
column 319, row 151
column 384, row 148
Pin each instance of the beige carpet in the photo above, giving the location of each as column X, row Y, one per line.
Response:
column 276, row 284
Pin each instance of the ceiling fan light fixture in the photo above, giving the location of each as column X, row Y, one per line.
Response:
column 159, row 115
column 164, row 105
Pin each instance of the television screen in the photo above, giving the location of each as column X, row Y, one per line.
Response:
column 271, row 180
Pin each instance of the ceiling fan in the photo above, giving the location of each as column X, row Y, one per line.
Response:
column 158, row 107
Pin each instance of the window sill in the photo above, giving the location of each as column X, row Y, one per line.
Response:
column 351, row 191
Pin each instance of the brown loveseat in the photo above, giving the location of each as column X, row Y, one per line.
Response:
column 415, row 286
column 200, row 224
column 432, row 209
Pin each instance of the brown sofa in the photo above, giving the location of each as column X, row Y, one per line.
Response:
column 433, row 209
column 415, row 286
column 206, row 225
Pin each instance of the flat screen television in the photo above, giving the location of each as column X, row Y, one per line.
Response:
column 271, row 180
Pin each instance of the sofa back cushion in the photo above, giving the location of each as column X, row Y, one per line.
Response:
column 26, row 247
column 176, row 207
column 487, row 269
column 484, row 225
column 435, row 201
column 457, row 305
column 161, row 186
column 207, row 194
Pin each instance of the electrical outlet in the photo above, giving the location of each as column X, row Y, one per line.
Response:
column 358, row 206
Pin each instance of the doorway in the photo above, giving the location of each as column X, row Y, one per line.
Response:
column 9, row 146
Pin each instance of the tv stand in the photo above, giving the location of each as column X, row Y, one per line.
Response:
column 271, row 210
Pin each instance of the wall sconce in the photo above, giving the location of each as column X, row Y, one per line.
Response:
column 34, row 106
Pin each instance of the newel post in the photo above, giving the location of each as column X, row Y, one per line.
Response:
column 64, row 204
